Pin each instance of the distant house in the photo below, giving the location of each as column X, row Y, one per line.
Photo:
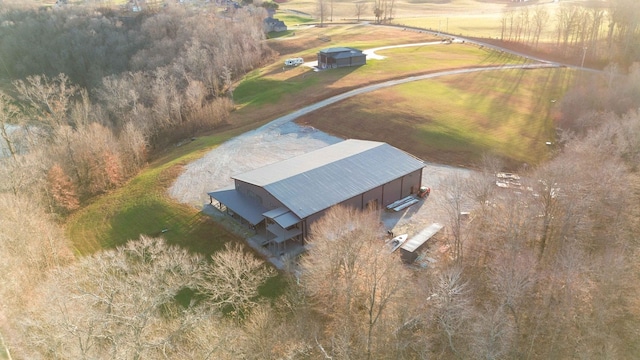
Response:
column 340, row 57
column 283, row 199
column 273, row 24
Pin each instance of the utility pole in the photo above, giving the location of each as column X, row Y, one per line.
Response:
column 584, row 54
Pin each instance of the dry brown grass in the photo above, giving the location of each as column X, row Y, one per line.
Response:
column 306, row 42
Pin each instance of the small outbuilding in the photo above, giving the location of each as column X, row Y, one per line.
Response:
column 274, row 25
column 340, row 57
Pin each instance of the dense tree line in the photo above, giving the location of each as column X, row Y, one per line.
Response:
column 95, row 92
column 87, row 43
column 83, row 44
column 601, row 32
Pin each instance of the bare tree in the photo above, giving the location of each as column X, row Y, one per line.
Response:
column 455, row 201
column 49, row 99
column 391, row 9
column 353, row 280
column 379, row 10
column 513, row 277
column 118, row 303
column 31, row 245
column 540, row 18
column 493, row 335
column 360, row 8
column 9, row 116
column 451, row 296
column 62, row 189
column 233, row 279
column 322, row 9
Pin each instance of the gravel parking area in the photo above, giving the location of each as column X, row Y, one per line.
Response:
column 270, row 144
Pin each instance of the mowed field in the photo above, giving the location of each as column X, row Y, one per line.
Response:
column 456, row 119
column 451, row 120
column 275, row 90
column 474, row 18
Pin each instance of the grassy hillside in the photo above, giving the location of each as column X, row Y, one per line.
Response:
column 455, row 119
column 143, row 207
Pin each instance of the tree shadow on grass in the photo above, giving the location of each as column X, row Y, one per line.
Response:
column 191, row 230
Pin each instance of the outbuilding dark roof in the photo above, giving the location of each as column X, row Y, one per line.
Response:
column 341, row 52
column 315, row 181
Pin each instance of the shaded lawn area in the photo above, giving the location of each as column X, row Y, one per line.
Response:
column 143, row 207
column 456, row 119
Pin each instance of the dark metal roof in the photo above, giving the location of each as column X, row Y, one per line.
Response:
column 283, row 216
column 341, row 52
column 315, row 181
column 250, row 209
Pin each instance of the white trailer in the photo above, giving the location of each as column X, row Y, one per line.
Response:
column 294, row 62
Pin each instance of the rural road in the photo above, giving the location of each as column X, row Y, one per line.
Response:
column 371, row 53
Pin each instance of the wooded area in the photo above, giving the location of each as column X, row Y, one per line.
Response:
column 548, row 272
column 95, row 93
column 599, row 32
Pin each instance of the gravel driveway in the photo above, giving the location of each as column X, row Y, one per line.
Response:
column 270, row 144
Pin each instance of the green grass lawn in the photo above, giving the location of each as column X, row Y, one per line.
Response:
column 476, row 26
column 456, row 119
column 143, row 207
column 452, row 120
column 293, row 20
column 293, row 88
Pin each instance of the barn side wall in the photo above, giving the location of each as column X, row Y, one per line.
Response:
column 411, row 183
column 392, row 191
column 358, row 60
